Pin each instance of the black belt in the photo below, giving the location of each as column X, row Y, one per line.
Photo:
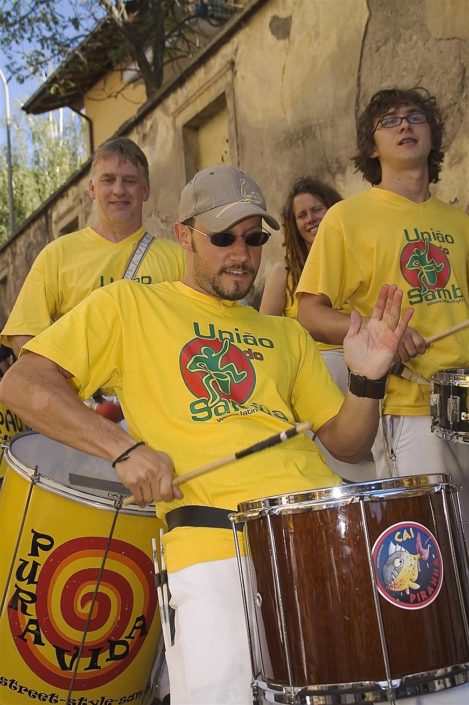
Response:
column 208, row 517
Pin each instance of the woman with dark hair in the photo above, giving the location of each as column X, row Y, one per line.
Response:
column 305, row 207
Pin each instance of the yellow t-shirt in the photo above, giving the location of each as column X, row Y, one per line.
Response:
column 379, row 237
column 72, row 266
column 200, row 378
column 291, row 310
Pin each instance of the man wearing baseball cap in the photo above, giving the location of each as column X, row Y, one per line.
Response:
column 199, row 375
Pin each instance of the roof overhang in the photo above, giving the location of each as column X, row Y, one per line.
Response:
column 93, row 59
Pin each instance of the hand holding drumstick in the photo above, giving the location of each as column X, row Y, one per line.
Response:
column 266, row 443
column 413, row 343
column 148, row 474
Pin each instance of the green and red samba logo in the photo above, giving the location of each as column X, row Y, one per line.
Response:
column 215, row 369
column 425, row 266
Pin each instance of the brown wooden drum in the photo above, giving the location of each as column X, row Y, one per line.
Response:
column 358, row 589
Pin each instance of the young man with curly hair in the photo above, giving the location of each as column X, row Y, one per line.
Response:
column 398, row 232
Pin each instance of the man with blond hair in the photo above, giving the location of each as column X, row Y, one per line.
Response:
column 72, row 266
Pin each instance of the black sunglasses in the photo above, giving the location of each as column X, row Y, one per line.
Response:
column 253, row 239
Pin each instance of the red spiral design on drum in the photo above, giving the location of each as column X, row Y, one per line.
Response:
column 75, row 597
column 114, row 615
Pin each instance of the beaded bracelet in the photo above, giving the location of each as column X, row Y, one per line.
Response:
column 125, row 455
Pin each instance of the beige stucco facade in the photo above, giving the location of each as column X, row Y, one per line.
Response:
column 279, row 97
column 112, row 101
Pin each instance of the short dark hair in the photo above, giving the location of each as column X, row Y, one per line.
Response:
column 296, row 249
column 124, row 148
column 380, row 103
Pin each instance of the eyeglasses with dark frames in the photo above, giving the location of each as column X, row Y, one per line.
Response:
column 225, row 239
column 396, row 120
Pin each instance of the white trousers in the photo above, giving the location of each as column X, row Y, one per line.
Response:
column 405, row 445
column 209, row 663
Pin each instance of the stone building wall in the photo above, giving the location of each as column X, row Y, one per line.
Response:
column 283, row 91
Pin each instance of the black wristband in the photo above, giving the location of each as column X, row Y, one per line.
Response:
column 125, row 455
column 363, row 387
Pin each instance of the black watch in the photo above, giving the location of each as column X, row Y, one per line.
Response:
column 363, row 387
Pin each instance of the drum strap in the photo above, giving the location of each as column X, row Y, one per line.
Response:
column 137, row 256
column 208, row 517
column 136, row 259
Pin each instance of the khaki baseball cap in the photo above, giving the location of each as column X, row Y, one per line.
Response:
column 220, row 196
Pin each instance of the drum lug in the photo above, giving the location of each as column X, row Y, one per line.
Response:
column 453, row 410
column 256, row 695
column 435, row 406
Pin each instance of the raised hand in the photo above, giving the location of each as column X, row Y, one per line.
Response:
column 370, row 347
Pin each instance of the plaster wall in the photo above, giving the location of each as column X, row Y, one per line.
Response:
column 111, row 102
column 293, row 78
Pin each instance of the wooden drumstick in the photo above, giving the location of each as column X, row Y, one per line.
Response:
column 450, row 331
column 266, row 443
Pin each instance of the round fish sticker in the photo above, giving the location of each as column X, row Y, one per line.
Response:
column 408, row 565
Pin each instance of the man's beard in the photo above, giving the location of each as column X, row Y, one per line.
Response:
column 212, row 283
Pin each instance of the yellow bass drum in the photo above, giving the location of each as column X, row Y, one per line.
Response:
column 79, row 619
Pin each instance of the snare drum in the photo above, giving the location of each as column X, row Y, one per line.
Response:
column 356, row 591
column 449, row 404
column 78, row 608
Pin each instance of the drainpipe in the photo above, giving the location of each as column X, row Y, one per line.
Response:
column 11, row 203
column 90, row 127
